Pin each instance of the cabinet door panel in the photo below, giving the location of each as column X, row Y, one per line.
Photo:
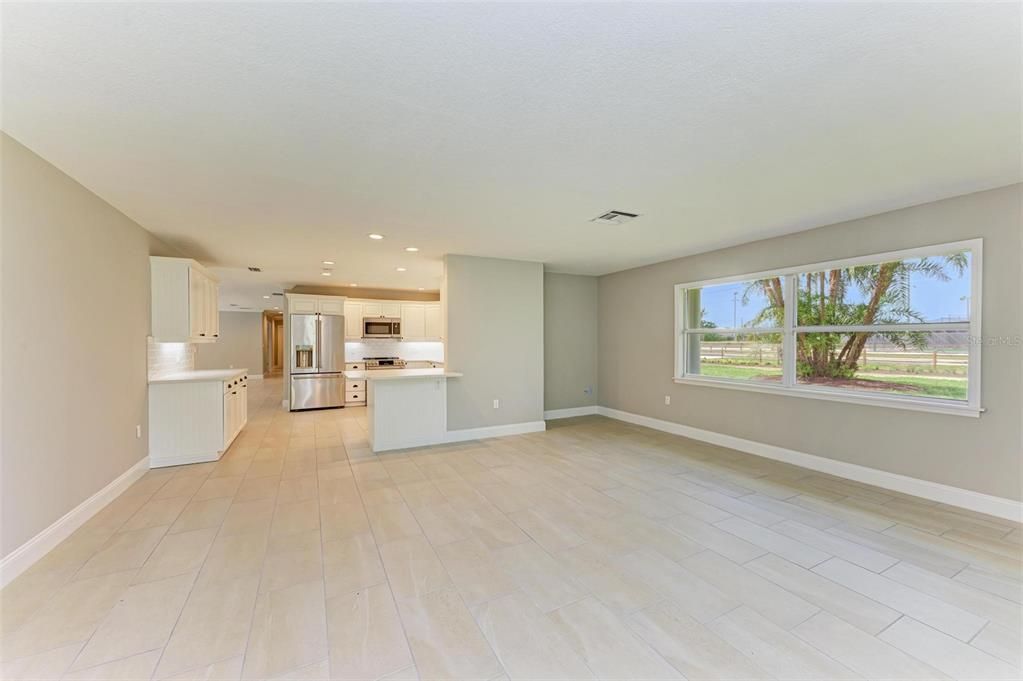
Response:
column 212, row 309
column 372, row 310
column 302, row 306
column 413, row 321
column 331, row 307
column 391, row 309
column 433, row 330
column 353, row 320
column 196, row 303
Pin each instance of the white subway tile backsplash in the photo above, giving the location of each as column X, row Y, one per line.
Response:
column 432, row 351
column 169, row 358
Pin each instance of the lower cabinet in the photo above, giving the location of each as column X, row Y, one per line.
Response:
column 355, row 388
column 195, row 421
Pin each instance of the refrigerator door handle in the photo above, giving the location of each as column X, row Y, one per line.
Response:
column 319, row 345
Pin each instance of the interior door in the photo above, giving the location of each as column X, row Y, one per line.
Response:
column 332, row 343
column 304, row 359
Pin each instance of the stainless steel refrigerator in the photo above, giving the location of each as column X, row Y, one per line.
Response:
column 317, row 360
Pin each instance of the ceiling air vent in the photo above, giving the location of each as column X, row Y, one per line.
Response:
column 255, row 269
column 615, row 217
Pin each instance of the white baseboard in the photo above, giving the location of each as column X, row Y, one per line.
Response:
column 569, row 412
column 935, row 491
column 23, row 557
column 166, row 461
column 495, row 431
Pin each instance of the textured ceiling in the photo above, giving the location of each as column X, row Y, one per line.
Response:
column 280, row 134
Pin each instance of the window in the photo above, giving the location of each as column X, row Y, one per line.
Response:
column 900, row 329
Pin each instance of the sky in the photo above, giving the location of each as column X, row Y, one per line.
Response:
column 935, row 300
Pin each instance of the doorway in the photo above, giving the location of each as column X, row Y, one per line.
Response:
column 273, row 343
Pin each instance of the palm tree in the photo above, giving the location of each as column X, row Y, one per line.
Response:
column 821, row 301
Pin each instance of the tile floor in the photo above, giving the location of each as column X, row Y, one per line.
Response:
column 594, row 550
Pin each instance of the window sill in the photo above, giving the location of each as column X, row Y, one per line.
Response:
column 910, row 403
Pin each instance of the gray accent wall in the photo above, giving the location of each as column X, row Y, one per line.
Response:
column 569, row 341
column 240, row 344
column 494, row 315
column 636, row 350
column 75, row 282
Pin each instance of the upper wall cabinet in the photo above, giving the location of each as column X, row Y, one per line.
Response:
column 419, row 321
column 311, row 304
column 184, row 301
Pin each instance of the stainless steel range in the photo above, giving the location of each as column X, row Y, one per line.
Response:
column 373, row 363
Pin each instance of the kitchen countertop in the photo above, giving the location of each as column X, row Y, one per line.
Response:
column 398, row 374
column 200, row 375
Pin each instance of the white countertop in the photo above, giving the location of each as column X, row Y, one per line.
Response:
column 201, row 375
column 398, row 374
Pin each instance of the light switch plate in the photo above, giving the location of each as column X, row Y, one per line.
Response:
column 667, row 399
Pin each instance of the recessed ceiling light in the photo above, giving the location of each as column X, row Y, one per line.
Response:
column 266, row 297
column 421, row 288
column 399, row 269
column 324, row 274
column 378, row 237
column 411, row 249
column 353, row 285
column 328, row 262
column 277, row 308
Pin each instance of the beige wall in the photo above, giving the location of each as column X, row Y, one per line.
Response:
column 240, row 344
column 75, row 288
column 494, row 314
column 983, row 454
column 569, row 341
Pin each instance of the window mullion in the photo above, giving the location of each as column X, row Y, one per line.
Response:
column 788, row 339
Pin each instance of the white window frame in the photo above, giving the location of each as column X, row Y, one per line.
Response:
column 789, row 385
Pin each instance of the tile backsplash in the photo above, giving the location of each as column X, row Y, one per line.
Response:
column 409, row 350
column 169, row 358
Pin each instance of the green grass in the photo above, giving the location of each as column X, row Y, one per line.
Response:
column 733, row 371
column 945, row 388
column 919, row 386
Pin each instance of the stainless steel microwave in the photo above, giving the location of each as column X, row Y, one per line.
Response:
column 381, row 327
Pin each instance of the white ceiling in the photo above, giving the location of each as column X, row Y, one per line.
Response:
column 280, row 134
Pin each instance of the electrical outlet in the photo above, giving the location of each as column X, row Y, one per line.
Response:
column 138, row 432
column 588, row 390
column 497, row 404
column 667, row 399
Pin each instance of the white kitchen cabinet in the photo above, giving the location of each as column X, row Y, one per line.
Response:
column 413, row 321
column 372, row 310
column 390, row 309
column 302, row 305
column 212, row 294
column 299, row 303
column 184, row 301
column 192, row 421
column 332, row 306
column 353, row 320
column 432, row 322
column 235, row 408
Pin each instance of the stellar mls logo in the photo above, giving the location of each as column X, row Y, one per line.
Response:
column 989, row 341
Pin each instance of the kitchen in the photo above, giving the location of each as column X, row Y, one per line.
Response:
column 385, row 355
column 337, row 350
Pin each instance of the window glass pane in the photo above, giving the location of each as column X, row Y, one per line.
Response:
column 919, row 364
column 754, row 357
column 744, row 304
column 931, row 289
